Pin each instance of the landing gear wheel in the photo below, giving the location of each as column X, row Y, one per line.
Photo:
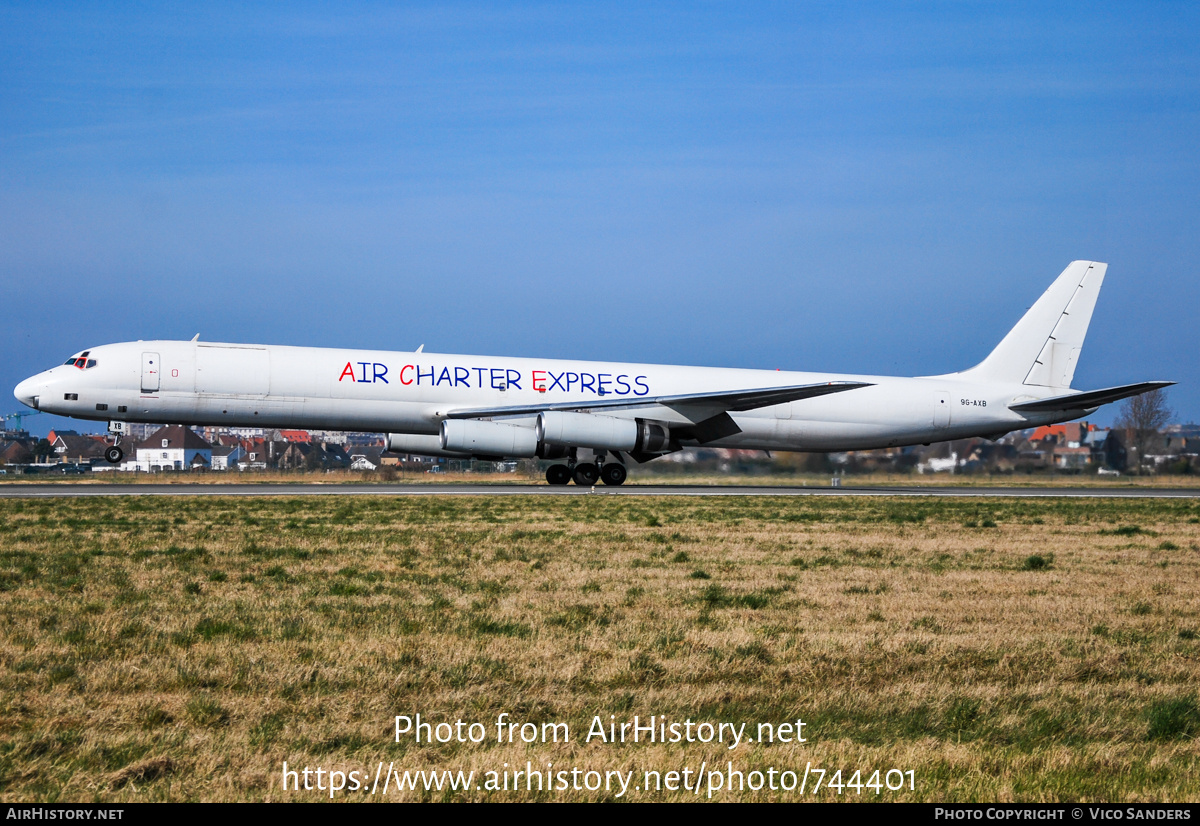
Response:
column 114, row 455
column 613, row 473
column 586, row 474
column 558, row 474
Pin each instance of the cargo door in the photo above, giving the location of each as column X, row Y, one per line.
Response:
column 232, row 371
column 150, row 372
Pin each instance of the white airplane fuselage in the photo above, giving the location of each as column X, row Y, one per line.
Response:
column 202, row 383
column 460, row 405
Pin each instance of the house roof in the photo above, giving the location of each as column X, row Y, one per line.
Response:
column 16, row 453
column 176, row 436
column 74, row 446
column 1065, row 432
column 372, row 453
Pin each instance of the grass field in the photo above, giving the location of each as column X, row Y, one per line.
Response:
column 1032, row 650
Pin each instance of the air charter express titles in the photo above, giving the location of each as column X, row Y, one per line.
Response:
column 497, row 378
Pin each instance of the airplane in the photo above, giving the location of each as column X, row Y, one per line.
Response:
column 492, row 407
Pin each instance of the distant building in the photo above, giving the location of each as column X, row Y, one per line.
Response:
column 171, row 448
column 1067, row 434
column 137, row 431
column 360, row 462
column 934, row 464
column 74, row 449
column 16, row 452
column 261, row 453
column 1072, row 458
column 333, row 437
column 226, row 457
column 311, row 455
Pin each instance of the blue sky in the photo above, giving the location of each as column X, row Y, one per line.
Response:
column 851, row 187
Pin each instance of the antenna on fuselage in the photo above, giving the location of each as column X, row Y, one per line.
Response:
column 196, row 337
column 419, row 349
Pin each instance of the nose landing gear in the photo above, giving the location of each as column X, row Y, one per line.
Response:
column 113, row 453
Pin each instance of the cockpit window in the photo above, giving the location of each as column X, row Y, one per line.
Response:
column 82, row 361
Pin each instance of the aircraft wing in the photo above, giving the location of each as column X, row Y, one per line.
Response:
column 1092, row 398
column 695, row 406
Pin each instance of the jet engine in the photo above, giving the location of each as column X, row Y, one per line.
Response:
column 555, row 427
column 421, row 444
column 479, row 438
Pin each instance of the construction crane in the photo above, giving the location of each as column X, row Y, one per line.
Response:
column 20, row 416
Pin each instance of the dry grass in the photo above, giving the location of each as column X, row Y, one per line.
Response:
column 1039, row 650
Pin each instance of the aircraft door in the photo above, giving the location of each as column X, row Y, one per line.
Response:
column 150, row 372
column 941, row 410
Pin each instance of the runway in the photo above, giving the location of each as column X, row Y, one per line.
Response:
column 69, row 490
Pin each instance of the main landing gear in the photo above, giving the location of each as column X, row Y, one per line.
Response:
column 558, row 474
column 586, row 474
column 613, row 473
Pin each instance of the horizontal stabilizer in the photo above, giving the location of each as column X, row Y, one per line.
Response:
column 735, row 400
column 1090, row 399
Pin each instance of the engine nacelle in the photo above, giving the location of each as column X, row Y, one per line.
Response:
column 477, row 438
column 653, row 437
column 555, row 427
column 545, row 451
column 421, row 444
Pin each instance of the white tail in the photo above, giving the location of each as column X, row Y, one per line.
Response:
column 1044, row 347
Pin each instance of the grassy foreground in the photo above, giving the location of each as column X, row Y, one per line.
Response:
column 1039, row 650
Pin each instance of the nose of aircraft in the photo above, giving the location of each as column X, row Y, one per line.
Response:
column 28, row 391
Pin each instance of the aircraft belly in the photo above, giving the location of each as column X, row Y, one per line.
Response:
column 283, row 411
column 806, row 434
column 369, row 415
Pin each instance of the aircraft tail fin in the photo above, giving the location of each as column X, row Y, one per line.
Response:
column 1044, row 347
